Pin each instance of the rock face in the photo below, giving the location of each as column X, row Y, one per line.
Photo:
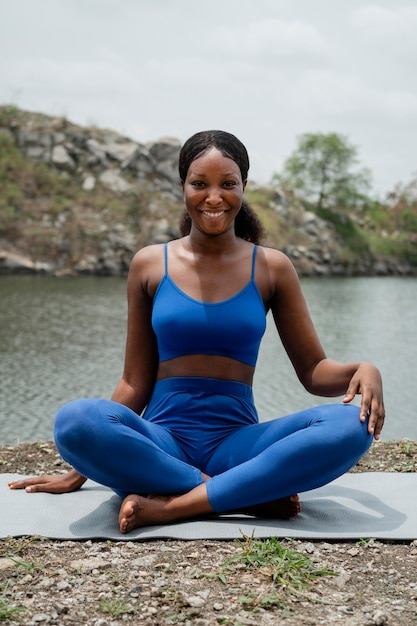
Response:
column 121, row 195
column 93, row 197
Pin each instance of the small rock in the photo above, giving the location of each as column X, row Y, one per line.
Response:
column 114, row 181
column 63, row 585
column 89, row 183
column 308, row 547
column 196, row 601
column 90, row 564
column 61, row 158
column 379, row 618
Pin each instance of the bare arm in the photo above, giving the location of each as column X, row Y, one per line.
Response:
column 136, row 385
column 141, row 355
column 319, row 374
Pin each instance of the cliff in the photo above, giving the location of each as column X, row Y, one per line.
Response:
column 83, row 200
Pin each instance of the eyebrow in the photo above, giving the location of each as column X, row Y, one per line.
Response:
column 201, row 174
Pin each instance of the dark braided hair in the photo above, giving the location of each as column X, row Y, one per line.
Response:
column 247, row 224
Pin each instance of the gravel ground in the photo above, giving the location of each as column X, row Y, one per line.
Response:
column 104, row 583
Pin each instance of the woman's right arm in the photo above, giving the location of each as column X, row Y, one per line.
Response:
column 141, row 361
column 141, row 355
column 55, row 483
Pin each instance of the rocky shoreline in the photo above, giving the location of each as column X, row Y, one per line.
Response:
column 104, row 583
column 81, row 200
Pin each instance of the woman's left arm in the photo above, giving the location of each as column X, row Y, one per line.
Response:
column 317, row 373
column 362, row 378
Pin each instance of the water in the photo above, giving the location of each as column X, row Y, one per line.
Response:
column 64, row 338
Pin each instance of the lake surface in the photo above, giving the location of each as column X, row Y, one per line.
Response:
column 63, row 338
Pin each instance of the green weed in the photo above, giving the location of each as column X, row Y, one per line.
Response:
column 115, row 607
column 7, row 610
column 291, row 569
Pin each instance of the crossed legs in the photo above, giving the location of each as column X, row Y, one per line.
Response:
column 257, row 464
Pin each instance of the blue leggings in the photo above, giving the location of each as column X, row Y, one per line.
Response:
column 195, row 425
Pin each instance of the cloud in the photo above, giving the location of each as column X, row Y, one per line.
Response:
column 269, row 40
column 267, row 70
column 380, row 21
column 69, row 77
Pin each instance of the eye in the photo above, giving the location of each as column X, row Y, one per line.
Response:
column 198, row 184
column 229, row 183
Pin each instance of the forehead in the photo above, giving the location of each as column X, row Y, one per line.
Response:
column 213, row 161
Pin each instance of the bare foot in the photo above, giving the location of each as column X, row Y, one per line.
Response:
column 283, row 508
column 139, row 511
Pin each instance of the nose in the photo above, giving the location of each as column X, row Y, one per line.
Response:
column 214, row 197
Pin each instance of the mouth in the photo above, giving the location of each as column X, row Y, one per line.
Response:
column 214, row 214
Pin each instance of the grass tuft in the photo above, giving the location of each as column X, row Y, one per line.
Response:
column 292, row 570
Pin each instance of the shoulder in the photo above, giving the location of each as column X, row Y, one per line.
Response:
column 147, row 255
column 275, row 262
column 147, row 268
column 275, row 274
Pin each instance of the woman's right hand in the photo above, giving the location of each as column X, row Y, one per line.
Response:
column 50, row 483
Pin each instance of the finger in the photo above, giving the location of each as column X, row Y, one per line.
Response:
column 365, row 412
column 22, row 483
column 376, row 420
column 16, row 484
column 37, row 488
column 28, row 483
column 351, row 392
column 375, row 415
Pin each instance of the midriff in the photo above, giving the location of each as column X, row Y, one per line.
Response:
column 206, row 366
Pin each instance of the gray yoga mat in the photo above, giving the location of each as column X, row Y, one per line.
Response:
column 358, row 505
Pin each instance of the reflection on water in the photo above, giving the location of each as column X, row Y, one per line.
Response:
column 64, row 338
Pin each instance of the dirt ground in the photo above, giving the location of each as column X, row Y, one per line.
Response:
column 104, row 583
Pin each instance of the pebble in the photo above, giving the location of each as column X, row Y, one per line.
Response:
column 63, row 585
column 379, row 618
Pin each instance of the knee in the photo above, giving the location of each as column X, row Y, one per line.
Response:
column 73, row 421
column 353, row 432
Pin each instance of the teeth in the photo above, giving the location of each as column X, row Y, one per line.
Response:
column 213, row 213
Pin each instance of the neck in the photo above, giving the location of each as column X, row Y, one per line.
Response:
column 224, row 243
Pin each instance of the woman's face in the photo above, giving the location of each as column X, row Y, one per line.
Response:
column 213, row 192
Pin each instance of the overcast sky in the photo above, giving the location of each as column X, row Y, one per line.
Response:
column 265, row 70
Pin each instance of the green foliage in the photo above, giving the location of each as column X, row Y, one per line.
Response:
column 7, row 610
column 407, row 219
column 293, row 570
column 321, row 170
column 9, row 114
column 348, row 230
column 115, row 607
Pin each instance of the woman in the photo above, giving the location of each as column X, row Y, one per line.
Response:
column 180, row 437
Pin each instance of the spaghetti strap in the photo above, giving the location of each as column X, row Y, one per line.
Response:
column 166, row 259
column 253, row 262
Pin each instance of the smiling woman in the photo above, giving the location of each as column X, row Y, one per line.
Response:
column 213, row 191
column 181, row 436
column 247, row 224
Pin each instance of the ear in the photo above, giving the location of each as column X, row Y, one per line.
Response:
column 182, row 184
column 244, row 184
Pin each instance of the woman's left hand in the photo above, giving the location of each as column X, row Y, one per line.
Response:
column 367, row 382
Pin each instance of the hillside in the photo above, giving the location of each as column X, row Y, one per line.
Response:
column 77, row 200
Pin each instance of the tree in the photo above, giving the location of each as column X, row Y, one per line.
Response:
column 321, row 169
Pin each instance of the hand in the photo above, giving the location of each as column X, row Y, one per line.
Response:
column 367, row 382
column 59, row 483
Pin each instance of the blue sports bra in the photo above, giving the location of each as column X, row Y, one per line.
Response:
column 232, row 328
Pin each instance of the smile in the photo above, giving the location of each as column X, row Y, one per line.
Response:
column 214, row 213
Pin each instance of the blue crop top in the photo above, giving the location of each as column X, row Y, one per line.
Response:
column 231, row 328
